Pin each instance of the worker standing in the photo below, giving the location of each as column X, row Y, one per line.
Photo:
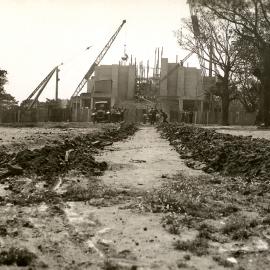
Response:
column 153, row 116
column 145, row 116
column 158, row 116
column 122, row 114
column 164, row 116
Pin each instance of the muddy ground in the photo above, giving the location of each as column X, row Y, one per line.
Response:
column 252, row 131
column 129, row 202
column 14, row 138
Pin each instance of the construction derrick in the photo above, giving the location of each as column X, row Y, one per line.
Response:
column 39, row 89
column 185, row 59
column 176, row 67
column 197, row 33
column 97, row 61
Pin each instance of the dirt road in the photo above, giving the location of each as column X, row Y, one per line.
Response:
column 147, row 211
column 135, row 238
column 142, row 161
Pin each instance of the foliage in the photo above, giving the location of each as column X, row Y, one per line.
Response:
column 198, row 246
column 249, row 93
column 239, row 227
column 3, row 79
column 213, row 40
column 251, row 23
column 7, row 101
column 250, row 18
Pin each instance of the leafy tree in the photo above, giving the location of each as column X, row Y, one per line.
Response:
column 213, row 40
column 251, row 19
column 7, row 101
column 3, row 79
column 249, row 94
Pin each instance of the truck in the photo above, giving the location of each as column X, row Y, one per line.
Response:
column 101, row 111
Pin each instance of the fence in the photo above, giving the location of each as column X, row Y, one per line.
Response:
column 48, row 114
column 18, row 115
column 209, row 118
column 205, row 118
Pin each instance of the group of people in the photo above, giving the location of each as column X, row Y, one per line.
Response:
column 155, row 116
column 117, row 114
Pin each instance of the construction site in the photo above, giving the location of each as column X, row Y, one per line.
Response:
column 136, row 170
column 179, row 90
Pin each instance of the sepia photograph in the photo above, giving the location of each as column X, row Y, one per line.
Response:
column 135, row 135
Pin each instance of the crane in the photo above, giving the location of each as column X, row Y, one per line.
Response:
column 97, row 61
column 197, row 33
column 125, row 56
column 185, row 59
column 176, row 66
column 181, row 63
column 39, row 89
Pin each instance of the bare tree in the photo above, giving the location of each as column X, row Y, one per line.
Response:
column 251, row 19
column 215, row 43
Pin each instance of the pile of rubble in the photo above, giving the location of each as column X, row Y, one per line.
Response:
column 51, row 162
column 228, row 154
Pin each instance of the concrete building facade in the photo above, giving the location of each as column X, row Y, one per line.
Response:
column 115, row 83
column 181, row 88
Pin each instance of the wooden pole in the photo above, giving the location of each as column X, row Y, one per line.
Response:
column 56, row 83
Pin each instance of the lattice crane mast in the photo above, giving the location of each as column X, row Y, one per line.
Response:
column 97, row 61
column 180, row 64
column 39, row 89
column 197, row 33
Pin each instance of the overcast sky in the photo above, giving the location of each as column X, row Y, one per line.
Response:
column 37, row 35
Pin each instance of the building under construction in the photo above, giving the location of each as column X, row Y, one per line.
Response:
column 176, row 89
column 181, row 89
column 115, row 83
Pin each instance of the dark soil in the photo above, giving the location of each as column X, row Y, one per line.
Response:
column 226, row 209
column 224, row 153
column 17, row 256
column 52, row 162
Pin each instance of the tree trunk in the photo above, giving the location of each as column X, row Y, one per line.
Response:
column 225, row 100
column 225, row 108
column 266, row 86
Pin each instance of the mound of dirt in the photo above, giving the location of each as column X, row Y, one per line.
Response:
column 228, row 154
column 74, row 154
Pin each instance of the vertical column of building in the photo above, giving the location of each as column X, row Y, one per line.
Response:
column 90, row 87
column 200, row 90
column 199, row 83
column 163, row 78
column 115, row 73
column 181, row 87
column 131, row 82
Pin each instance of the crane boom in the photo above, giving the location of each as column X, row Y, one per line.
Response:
column 39, row 89
column 181, row 64
column 42, row 83
column 185, row 59
column 196, row 31
column 97, row 61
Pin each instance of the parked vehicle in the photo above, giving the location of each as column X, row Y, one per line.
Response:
column 101, row 112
